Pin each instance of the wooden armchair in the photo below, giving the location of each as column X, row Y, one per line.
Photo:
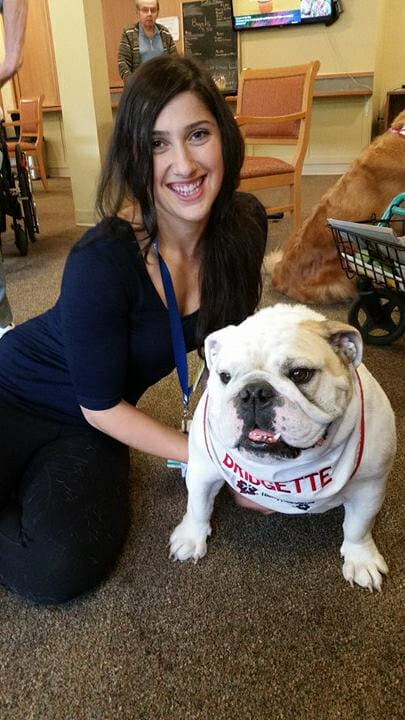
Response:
column 31, row 132
column 274, row 108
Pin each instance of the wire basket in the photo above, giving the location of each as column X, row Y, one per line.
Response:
column 383, row 261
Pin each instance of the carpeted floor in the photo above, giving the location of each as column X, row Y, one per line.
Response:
column 264, row 628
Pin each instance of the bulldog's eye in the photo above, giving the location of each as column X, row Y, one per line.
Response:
column 225, row 377
column 299, row 376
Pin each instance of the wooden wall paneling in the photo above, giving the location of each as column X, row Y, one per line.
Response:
column 117, row 15
column 37, row 74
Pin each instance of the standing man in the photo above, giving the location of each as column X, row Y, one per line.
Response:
column 144, row 40
column 14, row 21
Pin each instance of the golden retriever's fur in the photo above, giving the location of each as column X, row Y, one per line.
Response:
column 308, row 268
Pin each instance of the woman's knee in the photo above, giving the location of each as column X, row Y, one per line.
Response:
column 70, row 521
column 78, row 572
column 59, row 569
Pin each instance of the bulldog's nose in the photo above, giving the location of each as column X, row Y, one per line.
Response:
column 261, row 393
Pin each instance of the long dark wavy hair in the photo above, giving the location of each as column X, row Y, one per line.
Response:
column 233, row 242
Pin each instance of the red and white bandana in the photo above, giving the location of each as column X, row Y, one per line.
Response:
column 292, row 486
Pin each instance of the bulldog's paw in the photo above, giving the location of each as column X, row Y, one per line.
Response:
column 189, row 540
column 363, row 564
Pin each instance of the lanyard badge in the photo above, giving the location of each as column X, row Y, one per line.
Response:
column 177, row 335
column 179, row 348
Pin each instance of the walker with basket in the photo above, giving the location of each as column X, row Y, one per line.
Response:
column 374, row 252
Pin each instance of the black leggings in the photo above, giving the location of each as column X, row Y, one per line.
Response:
column 64, row 506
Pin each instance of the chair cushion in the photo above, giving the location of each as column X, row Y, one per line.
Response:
column 258, row 166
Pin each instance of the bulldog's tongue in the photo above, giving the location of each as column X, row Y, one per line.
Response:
column 263, row 436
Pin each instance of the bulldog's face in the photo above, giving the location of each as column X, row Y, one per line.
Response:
column 279, row 379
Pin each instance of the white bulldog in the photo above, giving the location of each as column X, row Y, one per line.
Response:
column 292, row 422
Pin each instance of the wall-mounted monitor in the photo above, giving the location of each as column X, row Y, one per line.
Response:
column 251, row 14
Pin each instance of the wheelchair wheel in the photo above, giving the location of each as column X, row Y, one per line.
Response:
column 27, row 201
column 21, row 240
column 384, row 325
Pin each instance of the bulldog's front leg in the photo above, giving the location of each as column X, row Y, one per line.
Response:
column 189, row 539
column 363, row 563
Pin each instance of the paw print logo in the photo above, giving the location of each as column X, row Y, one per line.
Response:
column 245, row 489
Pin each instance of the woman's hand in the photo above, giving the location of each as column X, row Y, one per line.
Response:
column 244, row 502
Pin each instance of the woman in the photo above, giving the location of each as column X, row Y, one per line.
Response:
column 70, row 378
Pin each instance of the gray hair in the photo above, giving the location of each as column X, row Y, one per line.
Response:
column 137, row 2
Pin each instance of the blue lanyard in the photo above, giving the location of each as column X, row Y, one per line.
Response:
column 176, row 329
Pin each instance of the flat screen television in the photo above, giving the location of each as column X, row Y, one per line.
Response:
column 251, row 14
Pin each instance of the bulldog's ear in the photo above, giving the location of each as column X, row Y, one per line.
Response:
column 345, row 340
column 214, row 342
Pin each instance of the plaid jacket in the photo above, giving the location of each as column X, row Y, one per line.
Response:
column 129, row 56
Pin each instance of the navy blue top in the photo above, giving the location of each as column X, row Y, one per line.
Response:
column 106, row 339
column 95, row 346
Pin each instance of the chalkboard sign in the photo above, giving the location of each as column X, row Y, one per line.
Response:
column 208, row 34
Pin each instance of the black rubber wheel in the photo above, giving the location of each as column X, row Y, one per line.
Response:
column 27, row 202
column 21, row 240
column 390, row 323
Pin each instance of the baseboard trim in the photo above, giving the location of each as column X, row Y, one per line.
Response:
column 308, row 169
column 57, row 172
column 85, row 218
column 325, row 168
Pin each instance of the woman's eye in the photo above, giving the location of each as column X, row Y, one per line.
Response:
column 224, row 377
column 199, row 135
column 157, row 145
column 299, row 376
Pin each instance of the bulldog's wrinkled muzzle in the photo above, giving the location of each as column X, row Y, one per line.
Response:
column 256, row 403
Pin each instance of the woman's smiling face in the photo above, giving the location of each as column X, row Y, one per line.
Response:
column 187, row 162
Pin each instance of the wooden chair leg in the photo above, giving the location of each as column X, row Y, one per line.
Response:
column 42, row 172
column 295, row 199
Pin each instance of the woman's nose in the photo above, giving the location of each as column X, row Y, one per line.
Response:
column 183, row 161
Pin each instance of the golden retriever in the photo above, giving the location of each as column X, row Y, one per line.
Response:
column 307, row 268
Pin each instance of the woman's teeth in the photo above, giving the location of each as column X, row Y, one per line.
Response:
column 188, row 189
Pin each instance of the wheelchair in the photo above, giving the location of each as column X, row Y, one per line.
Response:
column 16, row 197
